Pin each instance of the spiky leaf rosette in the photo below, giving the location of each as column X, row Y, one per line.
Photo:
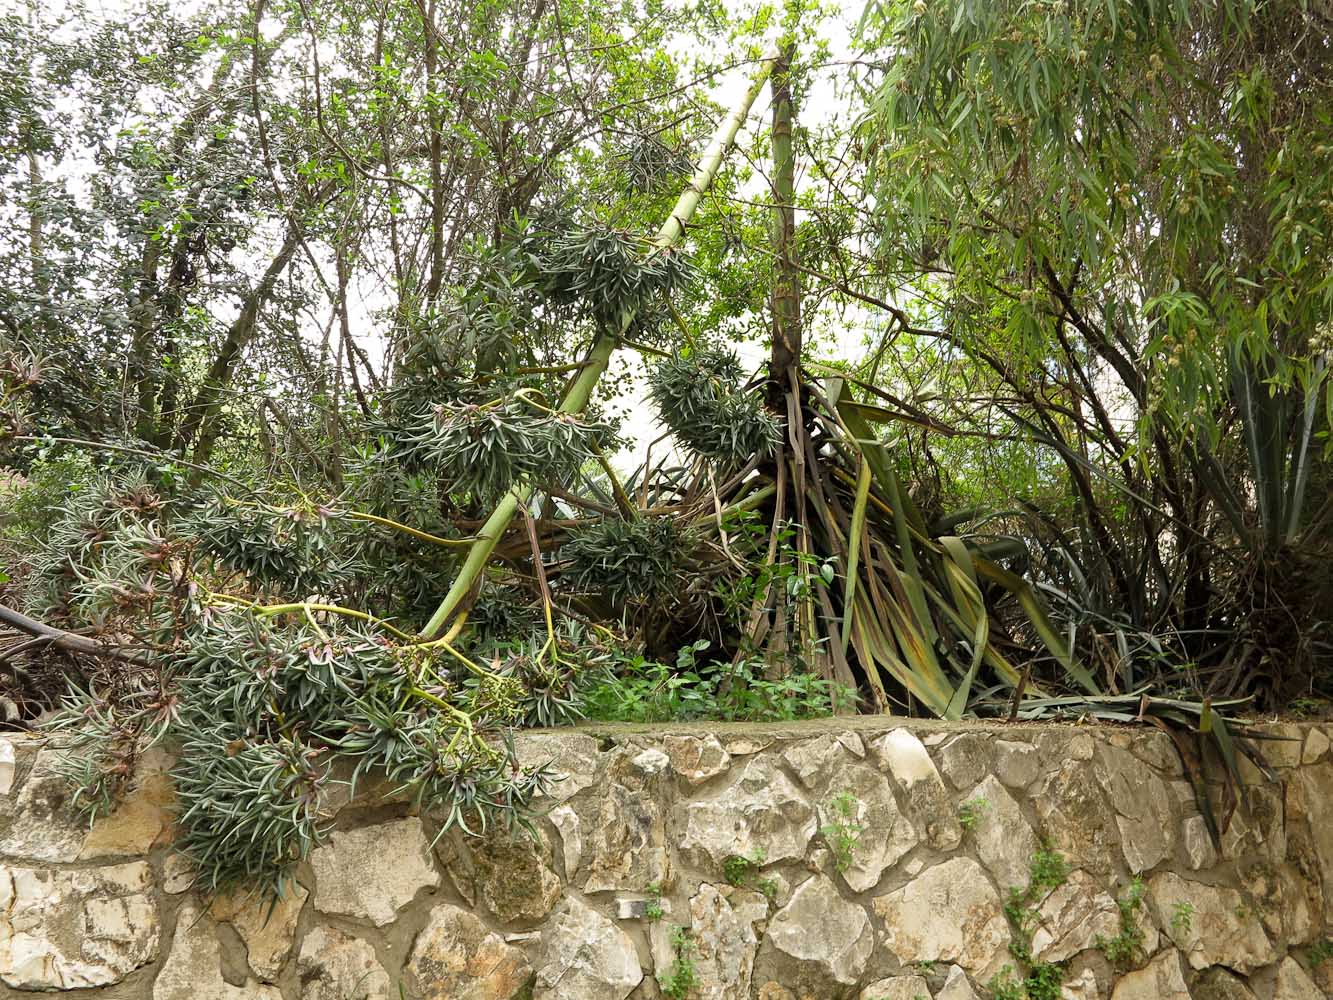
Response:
column 482, row 450
column 294, row 698
column 641, row 560
column 702, row 400
column 610, row 273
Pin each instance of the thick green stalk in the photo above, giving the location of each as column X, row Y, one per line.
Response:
column 580, row 389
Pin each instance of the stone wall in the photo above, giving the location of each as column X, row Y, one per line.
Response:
column 642, row 837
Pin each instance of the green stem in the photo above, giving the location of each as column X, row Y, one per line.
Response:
column 581, row 388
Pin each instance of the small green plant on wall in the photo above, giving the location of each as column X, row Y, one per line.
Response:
column 842, row 832
column 1182, row 916
column 1047, row 870
column 1123, row 949
column 739, row 869
column 652, row 909
column 971, row 812
column 682, row 978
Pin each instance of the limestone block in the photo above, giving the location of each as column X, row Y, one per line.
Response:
column 8, row 766
column 67, row 929
column 956, row 986
column 1161, row 979
column 336, row 966
column 372, row 872
column 1218, row 983
column 763, row 810
column 950, row 913
column 1016, row 764
column 1073, row 917
column 897, row 988
column 1004, row 839
column 584, row 956
column 193, row 969
column 567, row 824
column 926, row 799
column 574, row 759
column 267, row 926
column 822, row 934
column 513, row 876
column 1076, row 818
column 626, row 842
column 1222, row 926
column 722, row 924
column 966, row 758
column 696, row 759
column 1316, row 746
column 457, row 957
column 1144, row 808
column 1293, row 983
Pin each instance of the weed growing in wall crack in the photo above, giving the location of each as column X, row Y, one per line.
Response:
column 682, row 978
column 842, row 832
column 1047, row 870
column 1124, row 949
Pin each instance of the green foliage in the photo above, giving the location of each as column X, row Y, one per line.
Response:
column 611, row 273
column 482, row 449
column 1047, row 870
column 1124, row 949
column 842, row 832
column 652, row 910
column 643, row 691
column 1320, row 952
column 739, row 869
column 1182, row 916
column 683, row 977
column 970, row 813
column 646, row 559
column 701, row 399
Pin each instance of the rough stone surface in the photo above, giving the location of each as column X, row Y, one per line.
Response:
column 1016, row 764
column 193, row 970
column 8, row 766
column 1218, row 983
column 1072, row 917
column 568, row 826
column 763, row 810
column 951, row 913
column 570, row 917
column 927, row 800
column 63, row 929
column 513, row 878
column 1223, row 927
column 1161, row 979
column 821, row 929
column 885, row 833
column 897, row 988
column 374, row 871
column 1075, row 816
column 1143, row 808
column 695, row 758
column 956, row 986
column 1316, row 745
column 574, row 759
column 965, row 759
column 626, row 844
column 268, row 928
column 456, row 957
column 334, row 965
column 585, row 957
column 1293, row 983
column 1003, row 837
column 722, row 921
